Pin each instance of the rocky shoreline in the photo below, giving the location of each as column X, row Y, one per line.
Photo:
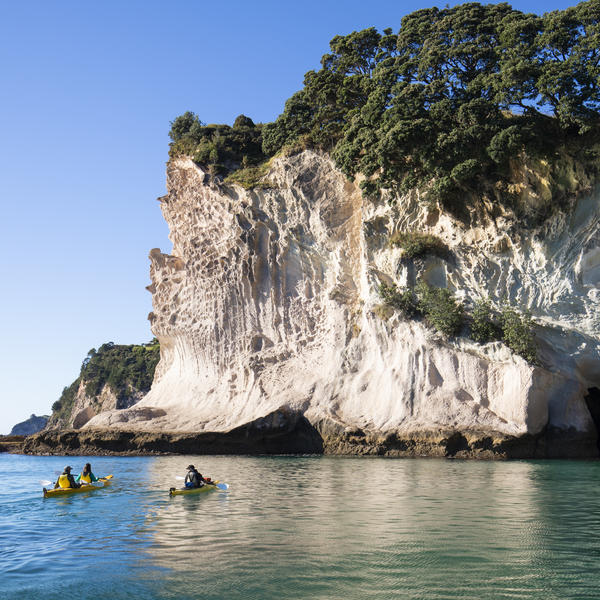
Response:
column 294, row 434
column 11, row 443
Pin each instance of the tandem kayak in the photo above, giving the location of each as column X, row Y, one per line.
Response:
column 183, row 492
column 83, row 488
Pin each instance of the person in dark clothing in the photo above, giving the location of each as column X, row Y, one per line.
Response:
column 66, row 480
column 193, row 479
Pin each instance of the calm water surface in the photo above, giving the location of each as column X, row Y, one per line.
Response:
column 304, row 527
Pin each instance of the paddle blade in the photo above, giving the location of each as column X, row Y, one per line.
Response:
column 179, row 477
column 45, row 482
column 222, row 486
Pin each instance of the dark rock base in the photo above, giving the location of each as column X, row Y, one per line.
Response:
column 11, row 443
column 281, row 432
column 464, row 444
column 285, row 432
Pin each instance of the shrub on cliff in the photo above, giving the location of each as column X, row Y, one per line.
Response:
column 403, row 300
column 184, row 126
column 483, row 328
column 517, row 333
column 438, row 306
column 444, row 313
column 440, row 309
column 219, row 148
column 242, row 121
column 513, row 328
column 417, row 244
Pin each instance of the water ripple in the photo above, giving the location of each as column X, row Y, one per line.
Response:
column 304, row 527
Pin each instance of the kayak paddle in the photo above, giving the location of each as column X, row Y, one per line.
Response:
column 221, row 486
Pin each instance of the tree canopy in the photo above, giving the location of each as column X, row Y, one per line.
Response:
column 220, row 147
column 124, row 368
column 444, row 104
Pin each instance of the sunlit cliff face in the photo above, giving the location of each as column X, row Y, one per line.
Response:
column 268, row 301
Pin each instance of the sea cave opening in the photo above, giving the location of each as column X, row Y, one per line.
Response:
column 592, row 400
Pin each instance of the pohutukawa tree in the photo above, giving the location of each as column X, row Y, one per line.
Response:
column 447, row 104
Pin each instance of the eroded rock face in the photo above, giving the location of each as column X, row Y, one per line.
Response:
column 86, row 406
column 267, row 302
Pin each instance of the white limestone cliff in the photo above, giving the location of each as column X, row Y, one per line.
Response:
column 267, row 302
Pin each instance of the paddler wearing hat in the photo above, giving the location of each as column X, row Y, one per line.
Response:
column 66, row 480
column 193, row 479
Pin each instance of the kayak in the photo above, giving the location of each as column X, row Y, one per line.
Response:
column 182, row 492
column 83, row 488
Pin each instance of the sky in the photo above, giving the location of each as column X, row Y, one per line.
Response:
column 87, row 95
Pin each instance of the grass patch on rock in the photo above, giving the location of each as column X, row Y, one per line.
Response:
column 251, row 177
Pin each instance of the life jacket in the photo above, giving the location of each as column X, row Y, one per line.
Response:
column 85, row 478
column 63, row 481
column 195, row 479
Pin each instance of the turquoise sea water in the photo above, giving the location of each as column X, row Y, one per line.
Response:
column 303, row 527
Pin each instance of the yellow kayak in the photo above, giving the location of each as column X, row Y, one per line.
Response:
column 83, row 488
column 205, row 488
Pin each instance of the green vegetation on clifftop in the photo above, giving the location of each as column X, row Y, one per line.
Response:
column 452, row 103
column 221, row 148
column 124, row 368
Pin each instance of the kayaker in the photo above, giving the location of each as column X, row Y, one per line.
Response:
column 193, row 479
column 86, row 476
column 66, row 480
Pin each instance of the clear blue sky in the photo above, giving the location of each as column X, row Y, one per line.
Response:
column 88, row 91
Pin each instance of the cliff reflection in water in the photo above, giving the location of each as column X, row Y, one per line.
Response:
column 323, row 527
